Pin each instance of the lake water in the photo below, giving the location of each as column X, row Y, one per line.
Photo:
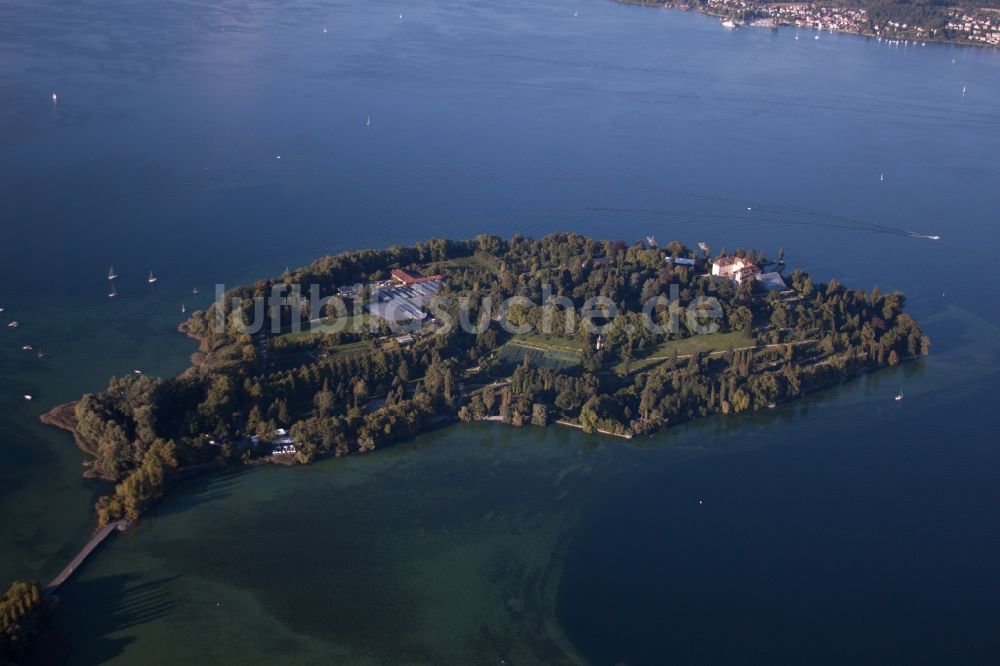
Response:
column 846, row 528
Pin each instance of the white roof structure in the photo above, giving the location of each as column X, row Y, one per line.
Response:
column 772, row 281
column 401, row 303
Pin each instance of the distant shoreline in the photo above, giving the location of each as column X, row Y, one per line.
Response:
column 682, row 6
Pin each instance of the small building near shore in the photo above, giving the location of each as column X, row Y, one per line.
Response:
column 678, row 261
column 349, row 291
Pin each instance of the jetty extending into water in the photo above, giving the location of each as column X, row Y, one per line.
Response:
column 88, row 548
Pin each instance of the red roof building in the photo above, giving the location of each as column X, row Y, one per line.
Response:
column 407, row 278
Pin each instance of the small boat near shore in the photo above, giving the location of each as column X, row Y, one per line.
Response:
column 899, row 396
column 152, row 278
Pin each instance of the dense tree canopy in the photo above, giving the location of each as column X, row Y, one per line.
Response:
column 360, row 390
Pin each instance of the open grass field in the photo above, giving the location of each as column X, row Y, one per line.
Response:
column 552, row 342
column 475, row 262
column 513, row 353
column 709, row 342
column 348, row 323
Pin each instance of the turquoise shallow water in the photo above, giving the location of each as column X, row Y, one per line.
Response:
column 848, row 528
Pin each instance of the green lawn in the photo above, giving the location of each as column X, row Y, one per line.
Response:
column 361, row 346
column 475, row 262
column 513, row 353
column 553, row 342
column 709, row 342
column 348, row 324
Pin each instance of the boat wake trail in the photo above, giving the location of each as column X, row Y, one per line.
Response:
column 755, row 212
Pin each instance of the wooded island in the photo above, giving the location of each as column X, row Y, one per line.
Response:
column 616, row 338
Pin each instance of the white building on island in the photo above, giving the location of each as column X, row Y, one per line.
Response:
column 735, row 268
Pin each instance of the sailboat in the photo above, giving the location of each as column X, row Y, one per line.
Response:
column 152, row 278
column 882, row 178
column 114, row 292
column 183, row 309
column 111, row 273
column 368, row 121
column 900, row 395
column 963, row 91
column 195, row 291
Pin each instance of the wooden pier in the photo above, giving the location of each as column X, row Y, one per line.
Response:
column 88, row 548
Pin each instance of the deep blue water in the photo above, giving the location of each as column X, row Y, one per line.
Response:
column 876, row 541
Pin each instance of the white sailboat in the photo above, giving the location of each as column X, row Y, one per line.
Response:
column 111, row 273
column 114, row 292
column 899, row 396
column 183, row 309
column 152, row 278
column 195, row 291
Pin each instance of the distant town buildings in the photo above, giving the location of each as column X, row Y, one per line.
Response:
column 952, row 25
